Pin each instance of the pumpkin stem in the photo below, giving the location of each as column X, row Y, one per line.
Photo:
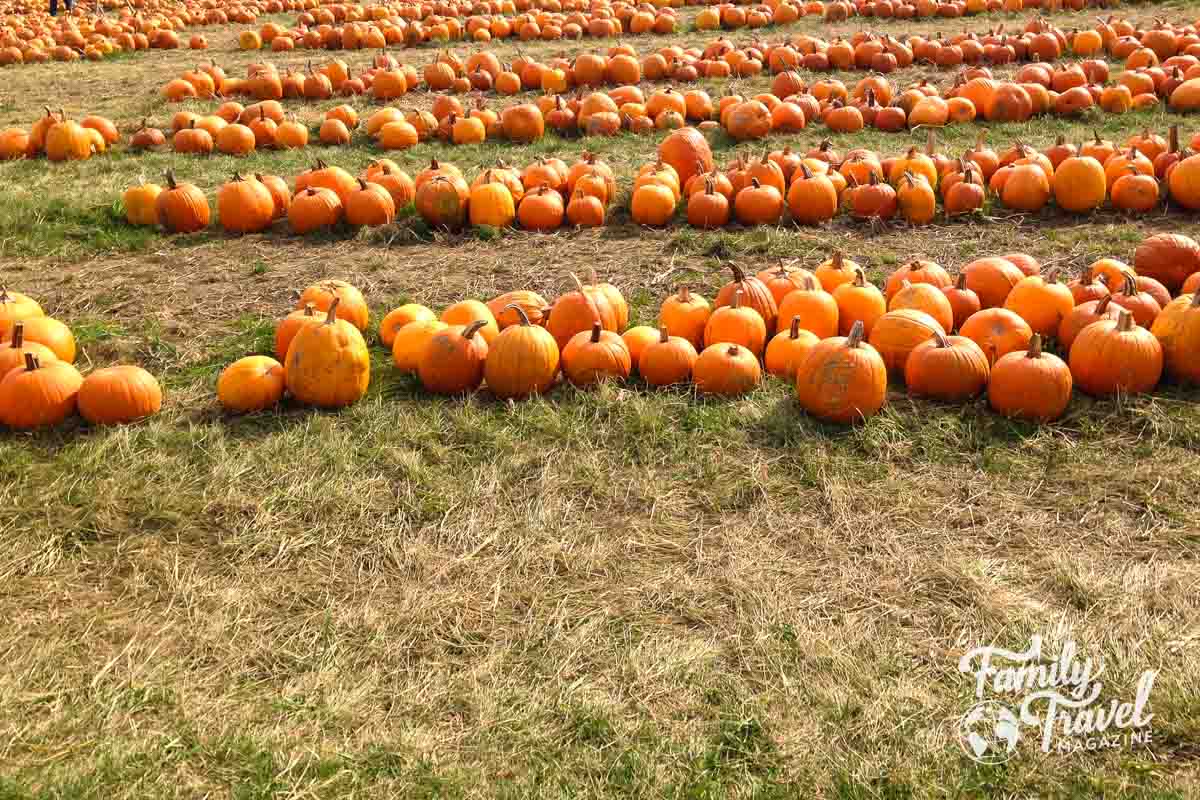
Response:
column 170, row 179
column 578, row 283
column 940, row 339
column 837, row 260
column 473, row 329
column 663, row 336
column 738, row 275
column 520, row 313
column 860, row 277
column 732, row 351
column 595, row 331
column 331, row 316
column 685, row 294
column 1124, row 320
column 1102, row 304
column 1128, row 285
column 795, row 329
column 18, row 335
column 31, row 362
column 1035, row 347
column 310, row 309
column 737, row 298
column 856, row 335
column 961, row 282
column 1173, row 139
column 1195, row 299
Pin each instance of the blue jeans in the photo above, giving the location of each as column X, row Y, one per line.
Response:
column 54, row 6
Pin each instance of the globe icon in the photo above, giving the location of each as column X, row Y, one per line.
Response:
column 989, row 732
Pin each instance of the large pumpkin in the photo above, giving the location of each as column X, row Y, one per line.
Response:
column 1168, row 258
column 250, row 384
column 38, row 394
column 950, row 368
column 328, row 365
column 688, row 152
column 1113, row 356
column 523, row 360
column 1177, row 329
column 843, row 379
column 998, row 332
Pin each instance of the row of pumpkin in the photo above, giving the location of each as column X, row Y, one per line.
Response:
column 832, row 333
column 40, row 385
column 808, row 189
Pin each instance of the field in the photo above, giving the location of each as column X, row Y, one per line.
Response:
column 616, row 592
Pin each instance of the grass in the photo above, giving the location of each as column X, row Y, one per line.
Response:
column 610, row 593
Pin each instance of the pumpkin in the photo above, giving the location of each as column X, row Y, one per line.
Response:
column 575, row 311
column 755, row 295
column 49, row 332
column 245, row 205
column 281, row 196
column 1087, row 287
column 812, row 198
column 290, row 325
column 686, row 315
column 835, row 271
column 688, row 152
column 370, row 204
column 1135, row 191
column 726, row 370
column 1183, row 182
column 1083, row 315
column 12, row 354
column 816, row 308
column 1029, row 384
column 596, row 355
column 652, row 204
column 1042, row 302
column 118, row 395
column 39, row 394
column 736, row 324
column 250, row 384
column 67, row 140
column 858, row 301
column 1027, row 188
column 141, row 204
column 1177, row 329
column 637, row 339
column 313, row 209
column 843, row 379
column 541, row 209
column 328, row 364
column 182, row 208
column 948, row 368
column 532, row 303
column 352, row 307
column 667, row 361
column 453, row 358
column 1080, row 184
column 523, row 360
column 1168, row 258
column 963, row 301
column 1140, row 304
column 709, row 208
column 896, row 333
column 788, row 349
column 781, row 280
column 397, row 318
column 998, row 332
column 409, row 343
column 466, row 312
column 924, row 297
column 1111, row 356
column 992, row 278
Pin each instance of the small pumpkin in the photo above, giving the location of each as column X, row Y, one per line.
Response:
column 755, row 295
column 963, row 301
column 1083, row 315
column 858, row 301
column 998, row 332
column 686, row 314
column 594, row 356
column 736, row 324
column 787, row 350
column 896, row 333
column 1043, row 302
column 1029, row 384
column 726, row 370
column 397, row 318
column 1177, row 329
column 816, row 308
column 453, row 359
column 352, row 306
column 119, row 395
column 667, row 361
column 182, row 208
column 253, row 383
